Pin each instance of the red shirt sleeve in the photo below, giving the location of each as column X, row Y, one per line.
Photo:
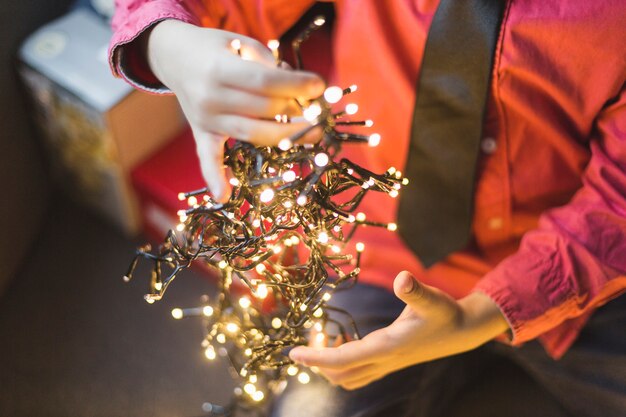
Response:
column 575, row 260
column 260, row 19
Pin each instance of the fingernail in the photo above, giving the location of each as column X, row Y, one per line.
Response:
column 294, row 356
column 410, row 286
column 316, row 87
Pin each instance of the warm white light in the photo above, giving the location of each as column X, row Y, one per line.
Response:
column 236, row 45
column 321, row 159
column 289, row 176
column 234, row 182
column 392, row 227
column 221, row 338
column 292, row 370
column 322, row 237
column 374, row 140
column 258, row 396
column 256, row 223
column 304, row 378
column 288, row 204
column 177, row 313
column 318, row 313
column 207, row 311
column 285, row 144
column 360, row 247
column 326, row 296
column 301, row 200
column 267, row 195
column 222, row 264
column 318, row 326
column 260, row 268
column 353, row 88
column 180, row 227
column 192, row 201
column 210, row 353
column 276, row 323
column 351, row 218
column 391, row 170
column 336, row 249
column 249, row 388
column 252, row 378
column 273, row 44
column 320, row 337
column 333, row 94
column 369, row 123
column 303, row 307
column 244, row 302
column 352, row 108
column 181, row 196
column 312, row 112
column 277, row 249
column 294, row 240
column 261, row 291
column 319, row 21
column 360, row 217
column 158, row 286
column 405, row 181
column 232, row 327
column 393, row 193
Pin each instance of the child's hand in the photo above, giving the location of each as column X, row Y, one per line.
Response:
column 433, row 325
column 226, row 95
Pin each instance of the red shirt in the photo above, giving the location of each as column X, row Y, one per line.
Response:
column 549, row 229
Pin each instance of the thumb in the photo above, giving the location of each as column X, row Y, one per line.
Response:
column 210, row 150
column 422, row 298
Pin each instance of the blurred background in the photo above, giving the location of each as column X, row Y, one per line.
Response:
column 90, row 170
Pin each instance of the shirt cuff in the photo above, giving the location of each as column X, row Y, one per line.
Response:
column 125, row 59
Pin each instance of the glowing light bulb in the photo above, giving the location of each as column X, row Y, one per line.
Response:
column 352, row 108
column 373, row 140
column 319, row 21
column 260, row 268
column 249, row 388
column 327, row 296
column 177, row 313
column 369, row 123
column 393, row 193
column 267, row 195
column 158, row 286
column 192, row 201
column 276, row 323
column 353, row 88
column 335, row 249
column 304, row 378
column 221, row 338
column 222, row 264
column 209, row 352
column 289, row 176
column 232, row 327
column 301, row 200
column 236, row 45
column 294, row 240
column 318, row 313
column 181, row 196
column 320, row 338
column 292, row 370
column 207, row 311
column 360, row 247
column 256, row 223
column 391, row 170
column 262, row 291
column 303, row 307
column 244, row 302
column 252, row 378
column 333, row 94
column 247, row 352
column 180, row 227
column 318, row 326
column 288, row 204
column 258, row 396
column 405, row 181
column 322, row 237
column 234, row 182
column 312, row 112
column 360, row 217
column 285, row 144
column 321, row 159
column 392, row 227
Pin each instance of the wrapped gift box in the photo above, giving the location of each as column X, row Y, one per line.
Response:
column 96, row 128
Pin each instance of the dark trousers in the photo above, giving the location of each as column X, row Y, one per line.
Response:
column 494, row 380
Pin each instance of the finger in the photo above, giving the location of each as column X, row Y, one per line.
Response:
column 422, row 298
column 210, row 150
column 260, row 79
column 349, row 355
column 262, row 132
column 243, row 103
column 339, row 377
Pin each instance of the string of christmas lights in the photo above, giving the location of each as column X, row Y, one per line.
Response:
column 278, row 246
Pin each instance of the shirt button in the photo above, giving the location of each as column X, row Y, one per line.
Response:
column 495, row 223
column 488, row 145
